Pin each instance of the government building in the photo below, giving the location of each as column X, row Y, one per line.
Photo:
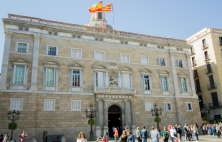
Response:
column 206, row 57
column 52, row 71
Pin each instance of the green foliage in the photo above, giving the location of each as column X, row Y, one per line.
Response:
column 12, row 126
column 91, row 122
column 218, row 121
column 157, row 119
column 206, row 118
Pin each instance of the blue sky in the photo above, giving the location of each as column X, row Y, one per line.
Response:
column 165, row 18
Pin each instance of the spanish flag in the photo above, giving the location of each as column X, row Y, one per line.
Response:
column 99, row 8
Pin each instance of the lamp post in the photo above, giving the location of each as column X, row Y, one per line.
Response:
column 13, row 117
column 156, row 112
column 91, row 113
column 205, row 111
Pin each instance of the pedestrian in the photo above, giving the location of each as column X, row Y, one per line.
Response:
column 116, row 134
column 169, row 127
column 155, row 135
column 179, row 132
column 6, row 138
column 205, row 129
column 113, row 129
column 99, row 139
column 138, row 134
column 82, row 137
column 120, row 131
column 124, row 136
column 202, row 128
column 126, row 129
column 192, row 132
column 144, row 134
column 189, row 133
column 46, row 134
column 214, row 129
column 130, row 137
column 1, row 138
column 152, row 129
column 44, row 137
column 185, row 131
column 218, row 130
column 23, row 136
column 195, row 130
column 175, row 127
column 165, row 134
column 173, row 133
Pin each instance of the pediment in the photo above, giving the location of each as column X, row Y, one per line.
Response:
column 125, row 68
column 146, row 70
column 76, row 65
column 163, row 72
column 182, row 74
column 51, row 62
column 19, row 60
column 99, row 66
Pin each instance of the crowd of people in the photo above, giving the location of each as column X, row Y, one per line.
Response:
column 22, row 137
column 212, row 129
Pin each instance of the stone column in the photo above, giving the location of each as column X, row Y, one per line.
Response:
column 125, row 114
column 105, row 116
column 35, row 59
column 98, row 129
column 5, row 59
column 174, row 74
column 193, row 90
column 132, row 118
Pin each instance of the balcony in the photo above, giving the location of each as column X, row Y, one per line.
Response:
column 114, row 90
column 195, row 75
column 207, row 58
column 205, row 46
column 215, row 105
column 198, row 90
column 194, row 63
column 192, row 52
column 211, row 86
column 208, row 71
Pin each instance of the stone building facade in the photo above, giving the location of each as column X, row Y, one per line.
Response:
column 53, row 71
column 206, row 57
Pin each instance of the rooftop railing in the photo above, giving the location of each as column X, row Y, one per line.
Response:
column 74, row 26
column 215, row 105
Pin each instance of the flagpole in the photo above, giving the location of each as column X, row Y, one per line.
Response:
column 113, row 15
column 102, row 11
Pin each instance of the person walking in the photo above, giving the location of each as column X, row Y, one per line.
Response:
column 155, row 135
column 214, row 129
column 185, row 131
column 124, row 136
column 144, row 134
column 46, row 134
column 44, row 137
column 138, row 134
column 23, row 136
column 113, row 130
column 165, row 134
column 116, row 134
column 169, row 127
column 172, row 133
column 152, row 129
column 1, row 138
column 179, row 132
column 82, row 137
column 204, row 129
column 192, row 132
column 195, row 131
column 120, row 131
column 130, row 137
column 6, row 138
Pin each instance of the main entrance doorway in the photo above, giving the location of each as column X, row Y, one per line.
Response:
column 114, row 118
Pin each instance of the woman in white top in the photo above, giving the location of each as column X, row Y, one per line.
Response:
column 82, row 137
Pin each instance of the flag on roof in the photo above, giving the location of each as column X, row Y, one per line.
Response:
column 100, row 8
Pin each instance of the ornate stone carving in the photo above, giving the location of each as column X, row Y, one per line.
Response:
column 8, row 34
column 172, row 53
column 110, row 103
column 36, row 37
column 114, row 108
column 113, row 79
column 112, row 66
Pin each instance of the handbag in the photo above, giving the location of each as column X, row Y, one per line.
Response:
column 164, row 137
column 120, row 140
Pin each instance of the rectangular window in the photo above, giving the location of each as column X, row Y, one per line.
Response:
column 50, row 77
column 211, row 81
column 100, row 79
column 148, row 106
column 146, row 82
column 195, row 72
column 204, row 43
column 19, row 75
column 76, row 53
column 188, row 106
column 100, row 15
column 167, row 106
column 144, row 59
column 197, row 82
column 201, row 101
column 125, row 57
column 76, row 79
column 162, row 61
column 75, row 105
column 99, row 55
column 16, row 104
column 180, row 63
column 164, row 83
column 160, row 47
column 184, row 84
column 220, row 40
column 22, row 47
column 193, row 61
column 126, row 82
column 191, row 50
column 208, row 67
column 52, row 51
column 49, row 104
column 206, row 55
column 215, row 99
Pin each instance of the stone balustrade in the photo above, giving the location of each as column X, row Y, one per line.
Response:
column 116, row 90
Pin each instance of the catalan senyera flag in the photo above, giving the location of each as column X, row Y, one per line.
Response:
column 98, row 8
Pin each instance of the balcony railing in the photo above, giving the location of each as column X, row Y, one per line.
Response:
column 198, row 90
column 215, row 105
column 195, row 75
column 207, row 58
column 192, row 52
column 194, row 63
column 208, row 71
column 205, row 46
column 211, row 86
column 116, row 90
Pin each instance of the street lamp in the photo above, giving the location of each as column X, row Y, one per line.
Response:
column 13, row 117
column 156, row 112
column 91, row 113
column 205, row 111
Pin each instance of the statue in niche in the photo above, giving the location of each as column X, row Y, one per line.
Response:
column 113, row 79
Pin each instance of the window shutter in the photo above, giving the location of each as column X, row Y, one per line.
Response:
column 121, row 57
column 168, row 83
column 104, row 79
column 165, row 106
column 70, row 77
column 159, row 61
column 183, row 63
column 187, row 85
column 100, row 79
column 186, row 106
column 181, row 87
column 94, row 74
column 16, row 46
column 131, row 81
column 122, row 80
column 161, row 83
column 128, row 57
column 81, row 78
column 177, row 63
column 165, row 61
column 143, row 82
column 27, row 48
column 12, row 74
column 25, row 75
column 150, row 81
column 46, row 50
column 55, row 74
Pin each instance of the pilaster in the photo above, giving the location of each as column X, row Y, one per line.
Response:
column 174, row 73
column 125, row 114
column 133, row 127
column 5, row 59
column 35, row 59
column 105, row 115
column 98, row 128
column 193, row 90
